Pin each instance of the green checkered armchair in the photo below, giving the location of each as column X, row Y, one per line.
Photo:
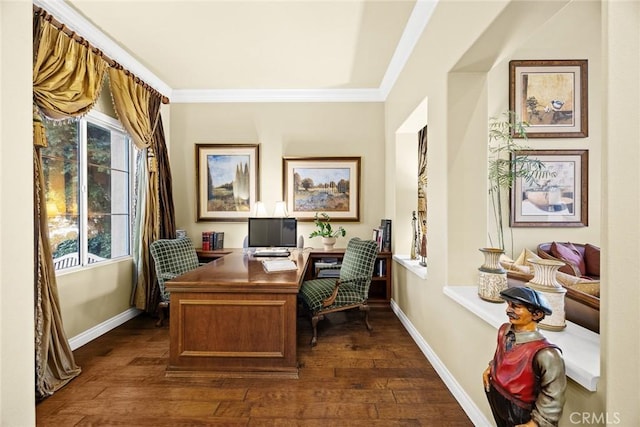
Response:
column 172, row 257
column 351, row 290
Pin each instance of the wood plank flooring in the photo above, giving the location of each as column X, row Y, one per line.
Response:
column 351, row 378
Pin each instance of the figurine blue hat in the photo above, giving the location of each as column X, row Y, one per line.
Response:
column 527, row 296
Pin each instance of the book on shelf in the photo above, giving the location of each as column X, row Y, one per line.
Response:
column 379, row 237
column 212, row 240
column 326, row 263
column 330, row 272
column 385, row 224
column 381, row 268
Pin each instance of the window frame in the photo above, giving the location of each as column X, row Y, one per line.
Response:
column 105, row 121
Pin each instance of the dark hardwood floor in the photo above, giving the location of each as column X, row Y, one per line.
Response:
column 351, row 378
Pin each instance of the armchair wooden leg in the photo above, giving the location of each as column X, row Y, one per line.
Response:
column 162, row 306
column 314, row 323
column 365, row 308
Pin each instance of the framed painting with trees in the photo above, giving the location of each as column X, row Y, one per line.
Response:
column 227, row 181
column 322, row 184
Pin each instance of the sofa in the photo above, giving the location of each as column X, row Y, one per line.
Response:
column 582, row 301
column 581, row 260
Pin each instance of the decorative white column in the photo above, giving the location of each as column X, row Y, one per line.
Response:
column 545, row 281
column 492, row 278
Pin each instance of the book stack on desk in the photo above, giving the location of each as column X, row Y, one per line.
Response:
column 212, row 240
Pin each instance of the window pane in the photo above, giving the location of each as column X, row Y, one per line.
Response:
column 120, row 186
column 119, row 151
column 98, row 145
column 99, row 237
column 60, row 167
column 99, row 190
column 108, row 236
column 64, row 237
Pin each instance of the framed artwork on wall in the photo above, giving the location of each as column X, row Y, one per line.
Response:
column 322, row 184
column 226, row 181
column 551, row 96
column 560, row 199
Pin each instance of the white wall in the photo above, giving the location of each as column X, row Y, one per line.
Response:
column 16, row 217
column 466, row 85
column 282, row 130
column 621, row 210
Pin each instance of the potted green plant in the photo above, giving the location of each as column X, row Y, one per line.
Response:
column 506, row 165
column 324, row 229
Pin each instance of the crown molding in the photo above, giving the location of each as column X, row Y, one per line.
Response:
column 275, row 95
column 78, row 23
column 420, row 16
column 418, row 20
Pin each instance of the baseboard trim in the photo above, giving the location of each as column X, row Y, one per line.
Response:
column 468, row 406
column 102, row 328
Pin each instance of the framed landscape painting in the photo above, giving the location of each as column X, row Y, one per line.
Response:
column 227, row 181
column 551, row 96
column 559, row 198
column 322, row 184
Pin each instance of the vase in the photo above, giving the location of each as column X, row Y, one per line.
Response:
column 492, row 278
column 545, row 281
column 328, row 243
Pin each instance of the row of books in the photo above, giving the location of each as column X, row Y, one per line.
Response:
column 212, row 240
column 382, row 235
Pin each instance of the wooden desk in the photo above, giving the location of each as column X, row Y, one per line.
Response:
column 231, row 318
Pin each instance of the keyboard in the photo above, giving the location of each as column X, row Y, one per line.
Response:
column 272, row 266
column 271, row 253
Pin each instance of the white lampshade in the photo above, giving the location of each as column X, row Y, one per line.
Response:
column 259, row 209
column 280, row 210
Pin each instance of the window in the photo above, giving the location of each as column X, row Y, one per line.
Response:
column 88, row 180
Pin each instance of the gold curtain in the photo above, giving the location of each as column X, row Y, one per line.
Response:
column 422, row 182
column 67, row 77
column 132, row 106
column 139, row 112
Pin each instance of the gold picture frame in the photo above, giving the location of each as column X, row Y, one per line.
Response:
column 227, row 186
column 322, row 184
column 551, row 96
column 559, row 200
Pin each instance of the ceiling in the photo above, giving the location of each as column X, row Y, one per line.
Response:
column 220, row 46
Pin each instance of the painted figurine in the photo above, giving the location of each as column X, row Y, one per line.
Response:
column 525, row 382
column 414, row 241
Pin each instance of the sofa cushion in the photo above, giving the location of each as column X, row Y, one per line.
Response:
column 592, row 260
column 568, row 253
column 588, row 286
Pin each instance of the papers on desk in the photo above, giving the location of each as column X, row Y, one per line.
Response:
column 273, row 266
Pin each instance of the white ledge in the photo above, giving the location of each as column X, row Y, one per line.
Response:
column 580, row 346
column 412, row 265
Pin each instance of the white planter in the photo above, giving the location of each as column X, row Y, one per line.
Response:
column 492, row 278
column 328, row 243
column 545, row 281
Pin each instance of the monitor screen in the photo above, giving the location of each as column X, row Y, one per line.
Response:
column 272, row 232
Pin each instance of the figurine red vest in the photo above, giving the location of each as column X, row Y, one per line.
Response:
column 516, row 379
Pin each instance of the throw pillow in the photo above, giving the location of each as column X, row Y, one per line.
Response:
column 592, row 260
column 568, row 253
column 588, row 287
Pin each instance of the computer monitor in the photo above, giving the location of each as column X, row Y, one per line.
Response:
column 272, row 232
